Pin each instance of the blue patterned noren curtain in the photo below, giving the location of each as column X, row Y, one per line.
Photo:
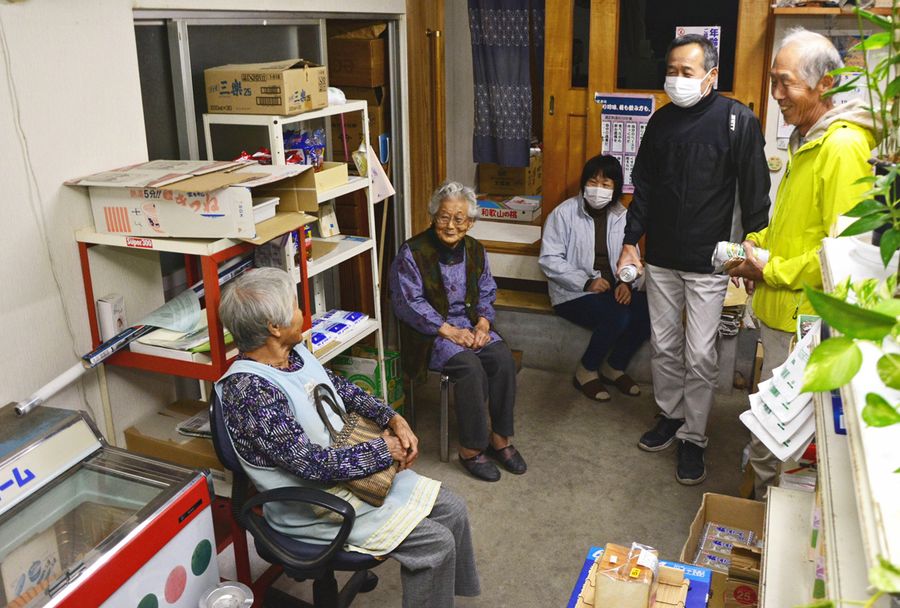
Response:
column 501, row 36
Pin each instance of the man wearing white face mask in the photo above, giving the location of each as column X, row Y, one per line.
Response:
column 581, row 242
column 696, row 153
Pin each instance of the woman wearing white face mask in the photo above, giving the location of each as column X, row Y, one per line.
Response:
column 581, row 242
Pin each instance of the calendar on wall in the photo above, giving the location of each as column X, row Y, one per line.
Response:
column 624, row 120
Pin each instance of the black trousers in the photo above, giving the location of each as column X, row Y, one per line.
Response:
column 484, row 385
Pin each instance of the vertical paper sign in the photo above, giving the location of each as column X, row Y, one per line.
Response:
column 624, row 121
column 713, row 33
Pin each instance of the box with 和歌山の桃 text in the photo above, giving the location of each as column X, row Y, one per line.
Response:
column 190, row 199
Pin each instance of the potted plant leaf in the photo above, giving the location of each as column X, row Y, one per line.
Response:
column 872, row 313
column 878, row 211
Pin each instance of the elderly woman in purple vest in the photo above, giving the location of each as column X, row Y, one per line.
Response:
column 443, row 294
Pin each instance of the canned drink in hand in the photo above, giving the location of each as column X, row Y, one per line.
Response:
column 728, row 255
column 628, row 274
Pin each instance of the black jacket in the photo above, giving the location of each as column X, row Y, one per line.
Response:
column 684, row 179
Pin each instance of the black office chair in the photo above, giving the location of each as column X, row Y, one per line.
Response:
column 301, row 561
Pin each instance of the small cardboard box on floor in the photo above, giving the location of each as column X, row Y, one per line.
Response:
column 155, row 435
column 361, row 368
column 190, row 199
column 286, row 87
column 728, row 511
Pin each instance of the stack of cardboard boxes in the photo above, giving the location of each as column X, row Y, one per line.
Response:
column 511, row 193
column 357, row 64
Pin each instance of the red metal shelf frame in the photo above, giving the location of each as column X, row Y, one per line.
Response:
column 209, row 265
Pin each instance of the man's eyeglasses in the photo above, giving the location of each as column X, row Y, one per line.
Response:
column 458, row 220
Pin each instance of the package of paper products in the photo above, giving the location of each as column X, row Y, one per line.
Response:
column 625, row 576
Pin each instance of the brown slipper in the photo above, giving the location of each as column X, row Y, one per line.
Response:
column 593, row 389
column 625, row 384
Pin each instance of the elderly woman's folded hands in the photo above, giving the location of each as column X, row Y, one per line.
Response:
column 462, row 336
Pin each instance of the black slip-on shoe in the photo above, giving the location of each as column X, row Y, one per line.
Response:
column 660, row 436
column 691, row 468
column 509, row 457
column 482, row 468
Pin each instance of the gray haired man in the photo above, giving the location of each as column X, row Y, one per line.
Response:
column 696, row 152
column 829, row 151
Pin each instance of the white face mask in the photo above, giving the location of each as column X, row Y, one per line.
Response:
column 685, row 92
column 597, row 198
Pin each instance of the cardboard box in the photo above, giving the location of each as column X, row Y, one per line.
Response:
column 516, row 209
column 191, row 199
column 494, row 179
column 354, row 127
column 741, row 594
column 303, row 193
column 286, row 87
column 728, row 511
column 357, row 62
column 156, row 436
column 361, row 368
column 582, row 595
column 672, row 588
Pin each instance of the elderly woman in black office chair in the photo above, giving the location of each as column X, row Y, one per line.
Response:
column 281, row 441
column 443, row 294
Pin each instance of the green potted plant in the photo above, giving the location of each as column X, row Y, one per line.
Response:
column 878, row 211
column 874, row 314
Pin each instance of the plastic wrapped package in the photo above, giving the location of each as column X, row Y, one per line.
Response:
column 625, row 576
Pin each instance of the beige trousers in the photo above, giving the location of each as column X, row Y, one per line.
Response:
column 776, row 348
column 685, row 308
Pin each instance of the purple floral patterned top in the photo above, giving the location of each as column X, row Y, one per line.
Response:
column 266, row 434
column 411, row 307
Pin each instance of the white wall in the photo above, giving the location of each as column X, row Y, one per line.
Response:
column 70, row 105
column 460, row 92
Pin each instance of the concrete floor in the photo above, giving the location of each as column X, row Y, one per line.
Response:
column 587, row 484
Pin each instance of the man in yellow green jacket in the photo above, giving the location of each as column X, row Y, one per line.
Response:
column 828, row 152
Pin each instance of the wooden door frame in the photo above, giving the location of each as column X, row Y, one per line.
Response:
column 752, row 51
column 426, row 72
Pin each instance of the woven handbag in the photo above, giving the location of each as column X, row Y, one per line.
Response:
column 357, row 429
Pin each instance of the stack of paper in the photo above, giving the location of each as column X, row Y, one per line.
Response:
column 186, row 346
column 780, row 415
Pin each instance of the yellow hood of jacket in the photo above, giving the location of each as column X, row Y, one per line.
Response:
column 817, row 187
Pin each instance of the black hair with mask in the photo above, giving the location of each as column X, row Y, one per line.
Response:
column 607, row 166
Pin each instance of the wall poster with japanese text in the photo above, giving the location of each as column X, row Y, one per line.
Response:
column 623, row 122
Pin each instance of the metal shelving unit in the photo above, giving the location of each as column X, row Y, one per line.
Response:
column 346, row 247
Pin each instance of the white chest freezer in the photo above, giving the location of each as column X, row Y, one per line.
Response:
column 83, row 524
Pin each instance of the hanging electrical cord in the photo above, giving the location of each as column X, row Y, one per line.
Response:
column 35, row 202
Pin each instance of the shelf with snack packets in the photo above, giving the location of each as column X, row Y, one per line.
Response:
column 329, row 180
column 861, row 490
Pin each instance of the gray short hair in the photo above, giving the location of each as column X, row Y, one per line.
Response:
column 455, row 191
column 816, row 52
column 253, row 300
column 710, row 55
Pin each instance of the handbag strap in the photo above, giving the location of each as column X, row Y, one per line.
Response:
column 322, row 394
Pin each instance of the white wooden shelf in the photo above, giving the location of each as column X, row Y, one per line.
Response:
column 264, row 120
column 366, row 328
column 347, row 247
column 167, row 244
column 874, row 452
column 845, row 563
column 787, row 573
column 353, row 184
